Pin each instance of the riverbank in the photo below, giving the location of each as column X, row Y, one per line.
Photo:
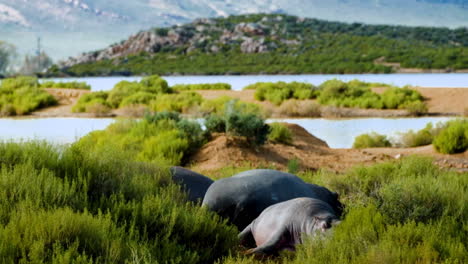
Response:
column 308, row 152
column 440, row 102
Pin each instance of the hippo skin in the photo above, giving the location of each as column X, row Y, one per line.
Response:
column 284, row 225
column 194, row 184
column 242, row 197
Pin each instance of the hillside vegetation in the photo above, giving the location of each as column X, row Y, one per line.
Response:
column 272, row 44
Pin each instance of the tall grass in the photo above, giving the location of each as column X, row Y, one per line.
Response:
column 75, row 205
column 202, row 86
column 66, row 85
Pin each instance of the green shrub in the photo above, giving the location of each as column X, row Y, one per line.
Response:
column 90, row 100
column 22, row 95
column 281, row 91
column 155, row 84
column 218, row 106
column 181, row 102
column 416, row 108
column 122, row 90
column 297, row 108
column 66, row 85
column 138, row 98
column 453, row 138
column 422, row 137
column 202, row 86
column 372, row 140
column 280, row 133
column 215, row 123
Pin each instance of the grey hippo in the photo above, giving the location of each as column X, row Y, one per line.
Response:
column 284, row 225
column 242, row 197
column 191, row 182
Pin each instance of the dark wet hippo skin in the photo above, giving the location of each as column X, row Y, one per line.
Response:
column 242, row 197
column 191, row 182
column 284, row 225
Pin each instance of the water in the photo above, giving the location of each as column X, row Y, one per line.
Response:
column 340, row 133
column 55, row 130
column 240, row 81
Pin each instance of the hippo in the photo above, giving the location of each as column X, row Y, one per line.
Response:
column 242, row 197
column 193, row 183
column 284, row 225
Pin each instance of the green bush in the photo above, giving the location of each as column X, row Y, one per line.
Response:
column 66, row 85
column 122, row 90
column 89, row 100
column 372, row 140
column 218, row 106
column 180, row 102
column 453, row 138
column 138, row 98
column 281, row 91
column 239, row 121
column 22, row 95
column 280, row 133
column 82, row 205
column 297, row 108
column 202, row 86
column 155, row 84
column 422, row 137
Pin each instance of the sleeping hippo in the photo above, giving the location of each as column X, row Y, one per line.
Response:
column 242, row 197
column 283, row 225
column 193, row 183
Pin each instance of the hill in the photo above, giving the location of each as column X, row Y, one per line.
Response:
column 273, row 43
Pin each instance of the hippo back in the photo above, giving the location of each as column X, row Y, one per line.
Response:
column 193, row 183
column 242, row 197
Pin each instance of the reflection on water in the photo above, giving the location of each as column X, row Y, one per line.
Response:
column 240, row 81
column 340, row 133
column 56, row 130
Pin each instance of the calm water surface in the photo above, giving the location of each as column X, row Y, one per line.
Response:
column 56, row 130
column 339, row 133
column 240, row 81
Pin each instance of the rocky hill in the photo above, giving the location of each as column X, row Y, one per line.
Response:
column 275, row 44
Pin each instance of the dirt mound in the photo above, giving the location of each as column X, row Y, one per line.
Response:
column 310, row 152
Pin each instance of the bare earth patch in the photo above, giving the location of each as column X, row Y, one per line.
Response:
column 311, row 153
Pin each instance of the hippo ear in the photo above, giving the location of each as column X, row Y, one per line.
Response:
column 336, row 195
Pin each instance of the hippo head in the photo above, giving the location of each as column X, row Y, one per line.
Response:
column 330, row 197
column 323, row 224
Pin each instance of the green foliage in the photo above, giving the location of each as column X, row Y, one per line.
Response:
column 372, row 140
column 91, row 99
column 202, row 86
column 239, row 121
column 280, row 133
column 453, row 138
column 323, row 47
column 22, row 95
column 359, row 94
column 181, row 102
column 76, row 205
column 281, row 91
column 66, row 85
column 422, row 137
column 406, row 211
column 218, row 106
column 297, row 108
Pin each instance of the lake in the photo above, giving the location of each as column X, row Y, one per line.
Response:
column 338, row 133
column 55, row 130
column 240, row 81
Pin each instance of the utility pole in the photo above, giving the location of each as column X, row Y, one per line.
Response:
column 38, row 53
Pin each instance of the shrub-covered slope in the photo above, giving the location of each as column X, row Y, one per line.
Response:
column 264, row 43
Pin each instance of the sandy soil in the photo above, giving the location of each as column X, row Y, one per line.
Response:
column 311, row 152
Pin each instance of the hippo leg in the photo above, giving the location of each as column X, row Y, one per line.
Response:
column 270, row 247
column 246, row 237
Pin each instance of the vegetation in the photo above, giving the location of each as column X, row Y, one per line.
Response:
column 66, row 85
column 281, row 91
column 202, row 86
column 280, row 133
column 371, row 140
column 359, row 94
column 453, row 138
column 298, row 108
column 237, row 120
column 218, row 106
column 293, row 46
column 73, row 205
column 406, row 211
column 22, row 95
column 422, row 137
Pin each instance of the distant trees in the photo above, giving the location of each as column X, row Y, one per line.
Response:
column 35, row 64
column 7, row 54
